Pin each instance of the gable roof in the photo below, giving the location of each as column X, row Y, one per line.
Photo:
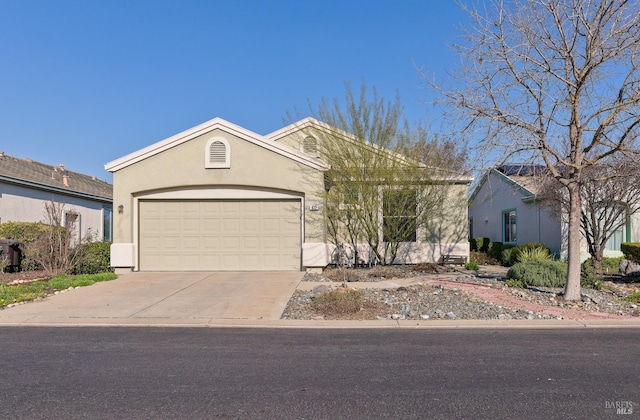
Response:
column 527, row 185
column 28, row 173
column 216, row 123
column 314, row 124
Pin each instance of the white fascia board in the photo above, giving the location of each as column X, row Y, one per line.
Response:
column 291, row 128
column 216, row 123
column 310, row 122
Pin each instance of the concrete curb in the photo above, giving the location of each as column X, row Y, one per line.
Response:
column 326, row 324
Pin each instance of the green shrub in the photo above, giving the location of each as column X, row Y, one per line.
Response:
column 609, row 264
column 514, row 254
column 471, row 265
column 95, row 258
column 541, row 273
column 534, row 254
column 631, row 251
column 473, row 244
column 483, row 244
column 25, row 232
column 588, row 276
column 515, row 283
column 495, row 250
column 506, row 255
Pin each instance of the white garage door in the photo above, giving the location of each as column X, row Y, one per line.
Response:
column 232, row 235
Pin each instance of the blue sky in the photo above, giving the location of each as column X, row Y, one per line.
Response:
column 86, row 82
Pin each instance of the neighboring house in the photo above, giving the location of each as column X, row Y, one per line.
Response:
column 26, row 186
column 220, row 197
column 506, row 207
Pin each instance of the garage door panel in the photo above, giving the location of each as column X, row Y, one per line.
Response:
column 210, row 244
column 220, row 235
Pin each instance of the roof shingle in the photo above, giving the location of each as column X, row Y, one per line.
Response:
column 55, row 177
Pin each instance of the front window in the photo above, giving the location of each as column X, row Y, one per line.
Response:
column 509, row 226
column 107, row 223
column 399, row 215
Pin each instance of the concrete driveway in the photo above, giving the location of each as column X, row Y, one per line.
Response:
column 164, row 298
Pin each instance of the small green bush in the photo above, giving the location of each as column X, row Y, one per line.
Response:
column 25, row 232
column 506, row 255
column 518, row 284
column 471, row 265
column 495, row 250
column 95, row 258
column 514, row 254
column 483, row 244
column 534, row 254
column 473, row 244
column 588, row 276
column 609, row 264
column 542, row 273
column 631, row 251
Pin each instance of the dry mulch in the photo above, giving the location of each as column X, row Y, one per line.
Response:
column 26, row 276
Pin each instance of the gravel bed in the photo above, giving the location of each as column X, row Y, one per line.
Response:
column 435, row 301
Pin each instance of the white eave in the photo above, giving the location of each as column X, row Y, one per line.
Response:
column 313, row 123
column 216, row 123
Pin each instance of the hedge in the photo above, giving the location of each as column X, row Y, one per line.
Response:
column 631, row 251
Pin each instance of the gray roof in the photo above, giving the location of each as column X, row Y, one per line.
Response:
column 38, row 175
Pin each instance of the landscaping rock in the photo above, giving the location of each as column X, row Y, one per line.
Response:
column 629, row 268
column 321, row 290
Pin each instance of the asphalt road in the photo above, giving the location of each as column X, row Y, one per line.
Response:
column 209, row 373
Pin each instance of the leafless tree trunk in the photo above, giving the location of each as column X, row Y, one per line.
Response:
column 553, row 82
column 610, row 195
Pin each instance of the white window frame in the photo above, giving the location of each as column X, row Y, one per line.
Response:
column 510, row 226
column 107, row 211
column 207, row 154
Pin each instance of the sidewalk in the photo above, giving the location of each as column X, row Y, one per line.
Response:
column 245, row 300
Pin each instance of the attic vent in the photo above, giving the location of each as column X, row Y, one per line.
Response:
column 217, row 154
column 310, row 146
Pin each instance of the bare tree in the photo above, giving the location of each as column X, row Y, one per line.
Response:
column 610, row 195
column 379, row 190
column 552, row 81
column 56, row 248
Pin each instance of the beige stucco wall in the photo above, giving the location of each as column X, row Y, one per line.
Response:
column 257, row 172
column 183, row 167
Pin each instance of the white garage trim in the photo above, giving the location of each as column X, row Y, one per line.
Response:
column 222, row 193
